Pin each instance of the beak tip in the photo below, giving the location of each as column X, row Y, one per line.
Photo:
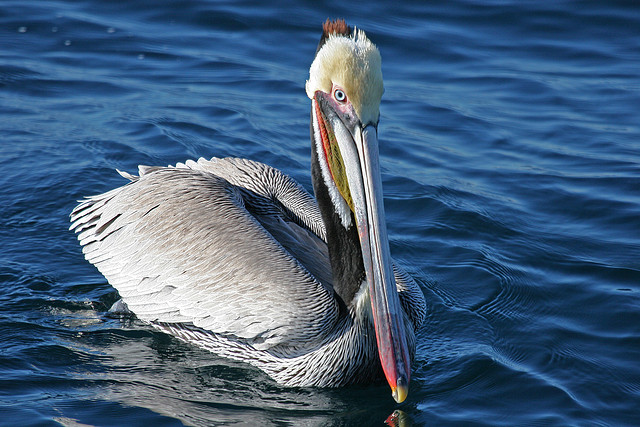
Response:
column 401, row 390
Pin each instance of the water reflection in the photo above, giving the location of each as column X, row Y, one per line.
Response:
column 398, row 418
column 149, row 371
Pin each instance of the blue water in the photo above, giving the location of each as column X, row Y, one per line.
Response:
column 510, row 149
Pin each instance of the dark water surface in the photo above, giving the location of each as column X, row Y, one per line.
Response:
column 510, row 148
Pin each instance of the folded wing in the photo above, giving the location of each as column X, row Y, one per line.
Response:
column 229, row 245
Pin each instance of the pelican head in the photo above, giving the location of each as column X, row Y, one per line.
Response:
column 345, row 87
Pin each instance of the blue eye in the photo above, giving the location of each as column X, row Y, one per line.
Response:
column 339, row 95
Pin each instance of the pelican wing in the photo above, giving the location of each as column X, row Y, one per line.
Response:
column 228, row 245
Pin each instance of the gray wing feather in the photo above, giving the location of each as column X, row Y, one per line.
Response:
column 194, row 244
column 411, row 297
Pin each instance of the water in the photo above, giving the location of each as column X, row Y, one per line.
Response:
column 510, row 151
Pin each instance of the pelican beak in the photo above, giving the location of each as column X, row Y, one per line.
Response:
column 358, row 165
column 385, row 304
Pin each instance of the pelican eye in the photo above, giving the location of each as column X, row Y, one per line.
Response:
column 339, row 95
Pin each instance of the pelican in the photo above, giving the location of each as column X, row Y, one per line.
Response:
column 238, row 258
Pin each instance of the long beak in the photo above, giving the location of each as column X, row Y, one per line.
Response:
column 358, row 160
column 385, row 304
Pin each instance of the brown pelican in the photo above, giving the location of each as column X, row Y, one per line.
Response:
column 236, row 257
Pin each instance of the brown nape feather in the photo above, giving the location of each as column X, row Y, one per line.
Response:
column 338, row 27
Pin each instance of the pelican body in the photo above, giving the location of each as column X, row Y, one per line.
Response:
column 236, row 257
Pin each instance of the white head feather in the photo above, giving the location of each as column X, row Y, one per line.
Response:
column 354, row 64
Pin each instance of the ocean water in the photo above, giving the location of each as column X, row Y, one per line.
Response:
column 510, row 150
